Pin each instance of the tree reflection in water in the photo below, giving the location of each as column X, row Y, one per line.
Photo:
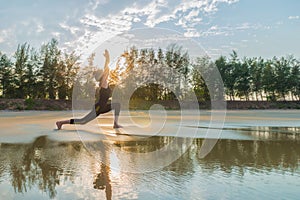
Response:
column 229, row 155
column 41, row 163
column 44, row 163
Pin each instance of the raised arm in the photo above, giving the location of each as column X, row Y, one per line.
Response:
column 104, row 82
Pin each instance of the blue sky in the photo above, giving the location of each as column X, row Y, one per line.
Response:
column 264, row 28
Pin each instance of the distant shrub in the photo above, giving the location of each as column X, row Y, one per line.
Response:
column 19, row 106
column 2, row 106
column 29, row 104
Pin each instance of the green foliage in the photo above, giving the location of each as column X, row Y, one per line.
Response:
column 200, row 68
column 144, row 67
column 269, row 80
column 84, row 83
column 29, row 104
column 242, row 85
column 294, row 82
column 51, row 74
column 21, row 60
column 256, row 72
column 38, row 74
column 282, row 74
column 50, row 58
column 6, row 77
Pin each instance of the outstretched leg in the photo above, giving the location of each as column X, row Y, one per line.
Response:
column 89, row 117
column 97, row 110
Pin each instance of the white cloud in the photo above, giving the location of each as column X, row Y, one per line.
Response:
column 93, row 4
column 185, row 23
column 153, row 12
column 40, row 28
column 154, row 8
column 98, row 30
column 33, row 26
column 192, row 14
column 207, row 6
column 6, row 34
column 72, row 30
column 112, row 23
column 216, row 30
column 136, row 19
column 191, row 33
column 56, row 34
column 243, row 26
column 187, row 15
column 294, row 17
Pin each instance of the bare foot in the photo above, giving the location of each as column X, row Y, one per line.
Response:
column 59, row 125
column 117, row 125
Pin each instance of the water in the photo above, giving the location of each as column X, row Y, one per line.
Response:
column 248, row 162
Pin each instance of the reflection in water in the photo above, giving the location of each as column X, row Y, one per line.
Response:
column 275, row 133
column 253, row 156
column 102, row 180
column 27, row 166
column 48, row 165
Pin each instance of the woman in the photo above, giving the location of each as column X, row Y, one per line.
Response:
column 102, row 105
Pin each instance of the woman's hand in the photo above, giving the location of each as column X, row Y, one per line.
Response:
column 103, row 82
column 106, row 55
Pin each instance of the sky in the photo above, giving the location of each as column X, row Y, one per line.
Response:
column 253, row 28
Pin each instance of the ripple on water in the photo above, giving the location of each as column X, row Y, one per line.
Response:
column 234, row 169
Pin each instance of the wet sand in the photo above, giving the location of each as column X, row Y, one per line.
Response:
column 25, row 126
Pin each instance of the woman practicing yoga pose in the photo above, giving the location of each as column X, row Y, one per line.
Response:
column 102, row 106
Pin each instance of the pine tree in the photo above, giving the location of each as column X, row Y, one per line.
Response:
column 6, row 77
column 31, row 68
column 21, row 61
column 242, row 85
column 50, row 58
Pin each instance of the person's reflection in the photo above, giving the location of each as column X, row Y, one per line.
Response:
column 102, row 180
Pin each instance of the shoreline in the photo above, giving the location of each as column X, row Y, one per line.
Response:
column 66, row 105
column 23, row 127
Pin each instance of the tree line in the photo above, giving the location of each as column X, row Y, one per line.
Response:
column 243, row 78
column 49, row 73
column 262, row 79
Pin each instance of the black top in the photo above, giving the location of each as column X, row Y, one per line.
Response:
column 104, row 96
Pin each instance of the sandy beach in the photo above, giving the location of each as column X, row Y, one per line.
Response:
column 25, row 126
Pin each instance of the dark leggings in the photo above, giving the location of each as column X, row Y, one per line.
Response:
column 96, row 111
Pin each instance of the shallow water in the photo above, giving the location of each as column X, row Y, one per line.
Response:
column 251, row 161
